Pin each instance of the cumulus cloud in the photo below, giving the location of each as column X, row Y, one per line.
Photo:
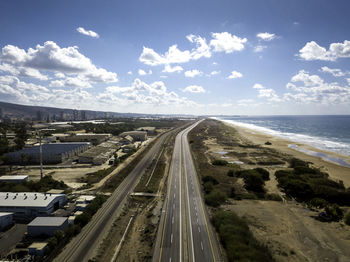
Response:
column 266, row 36
column 142, row 72
column 225, row 42
column 194, row 89
column 23, row 71
column 51, row 57
column 193, row 73
column 90, row 33
column 212, row 73
column 70, row 82
column 173, row 55
column 335, row 72
column 235, row 74
column 169, row 69
column 308, row 88
column 313, row 51
column 258, row 86
column 202, row 49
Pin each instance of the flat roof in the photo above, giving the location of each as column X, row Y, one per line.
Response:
column 48, row 221
column 13, row 177
column 27, row 199
column 38, row 245
column 3, row 214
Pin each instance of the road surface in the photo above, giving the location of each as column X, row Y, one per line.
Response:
column 83, row 246
column 184, row 232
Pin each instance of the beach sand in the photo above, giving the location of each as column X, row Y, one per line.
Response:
column 335, row 171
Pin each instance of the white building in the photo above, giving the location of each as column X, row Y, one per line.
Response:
column 6, row 219
column 14, row 179
column 28, row 205
column 46, row 226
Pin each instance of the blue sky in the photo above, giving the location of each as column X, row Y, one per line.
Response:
column 194, row 57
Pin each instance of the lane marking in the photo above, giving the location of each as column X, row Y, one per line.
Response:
column 172, row 222
column 202, row 245
column 199, row 229
column 171, row 240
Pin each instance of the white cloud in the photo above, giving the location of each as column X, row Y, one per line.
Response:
column 193, row 73
column 169, row 69
column 225, row 42
column 269, row 93
column 51, row 57
column 313, row 89
column 90, row 33
column 130, row 73
column 71, row 82
column 215, row 63
column 335, row 72
column 173, row 55
column 194, row 89
column 313, row 51
column 266, row 36
column 142, row 72
column 259, row 48
column 258, row 86
column 60, row 75
column 202, row 49
column 235, row 74
column 214, row 73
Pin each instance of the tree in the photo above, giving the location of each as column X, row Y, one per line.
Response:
column 21, row 135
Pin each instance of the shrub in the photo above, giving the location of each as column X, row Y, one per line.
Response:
column 219, row 162
column 263, row 172
column 294, row 162
column 208, row 187
column 210, row 179
column 334, row 212
column 318, row 203
column 347, row 218
column 273, row 197
column 231, row 173
column 215, row 198
column 254, row 182
column 268, row 143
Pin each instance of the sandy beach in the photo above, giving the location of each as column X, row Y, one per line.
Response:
column 336, row 171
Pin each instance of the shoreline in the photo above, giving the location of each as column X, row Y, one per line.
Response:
column 299, row 150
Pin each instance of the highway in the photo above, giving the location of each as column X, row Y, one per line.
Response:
column 83, row 246
column 184, row 232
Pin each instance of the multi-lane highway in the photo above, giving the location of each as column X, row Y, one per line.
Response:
column 184, row 233
column 82, row 247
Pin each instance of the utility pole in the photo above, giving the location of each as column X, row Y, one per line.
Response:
column 41, row 157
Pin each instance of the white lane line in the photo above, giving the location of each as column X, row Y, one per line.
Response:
column 202, row 245
column 170, row 259
column 174, row 206
column 199, row 229
column 171, row 239
column 172, row 221
column 197, row 221
column 174, row 195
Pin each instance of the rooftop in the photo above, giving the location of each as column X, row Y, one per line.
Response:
column 38, row 245
column 3, row 214
column 13, row 177
column 48, row 221
column 27, row 199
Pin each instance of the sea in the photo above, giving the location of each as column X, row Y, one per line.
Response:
column 325, row 132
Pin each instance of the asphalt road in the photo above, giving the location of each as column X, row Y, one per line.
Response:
column 82, row 247
column 184, row 232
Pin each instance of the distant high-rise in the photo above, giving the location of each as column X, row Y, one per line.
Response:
column 83, row 115
column 75, row 115
column 62, row 116
column 39, row 115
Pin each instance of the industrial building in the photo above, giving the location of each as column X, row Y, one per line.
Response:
column 52, row 153
column 94, row 139
column 46, row 226
column 99, row 154
column 151, row 130
column 136, row 135
column 37, row 248
column 14, row 179
column 6, row 219
column 28, row 205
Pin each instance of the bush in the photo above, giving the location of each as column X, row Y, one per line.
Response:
column 334, row 212
column 347, row 218
column 210, row 179
column 208, row 187
column 238, row 241
column 219, row 162
column 254, row 182
column 268, row 143
column 231, row 173
column 263, row 172
column 215, row 198
column 294, row 162
column 273, row 197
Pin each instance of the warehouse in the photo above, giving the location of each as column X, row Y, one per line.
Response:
column 136, row 135
column 46, row 226
column 94, row 139
column 28, row 205
column 99, row 154
column 52, row 153
column 14, row 179
column 6, row 219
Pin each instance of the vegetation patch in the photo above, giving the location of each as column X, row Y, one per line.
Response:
column 238, row 241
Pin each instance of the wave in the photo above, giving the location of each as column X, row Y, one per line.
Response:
column 314, row 141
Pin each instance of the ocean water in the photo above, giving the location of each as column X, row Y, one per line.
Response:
column 331, row 132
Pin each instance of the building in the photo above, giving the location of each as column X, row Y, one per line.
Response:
column 46, row 226
column 28, row 205
column 99, row 154
column 14, row 179
column 136, row 135
column 37, row 248
column 151, row 130
column 52, row 153
column 94, row 139
column 6, row 219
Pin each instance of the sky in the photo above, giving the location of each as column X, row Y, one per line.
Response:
column 232, row 57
